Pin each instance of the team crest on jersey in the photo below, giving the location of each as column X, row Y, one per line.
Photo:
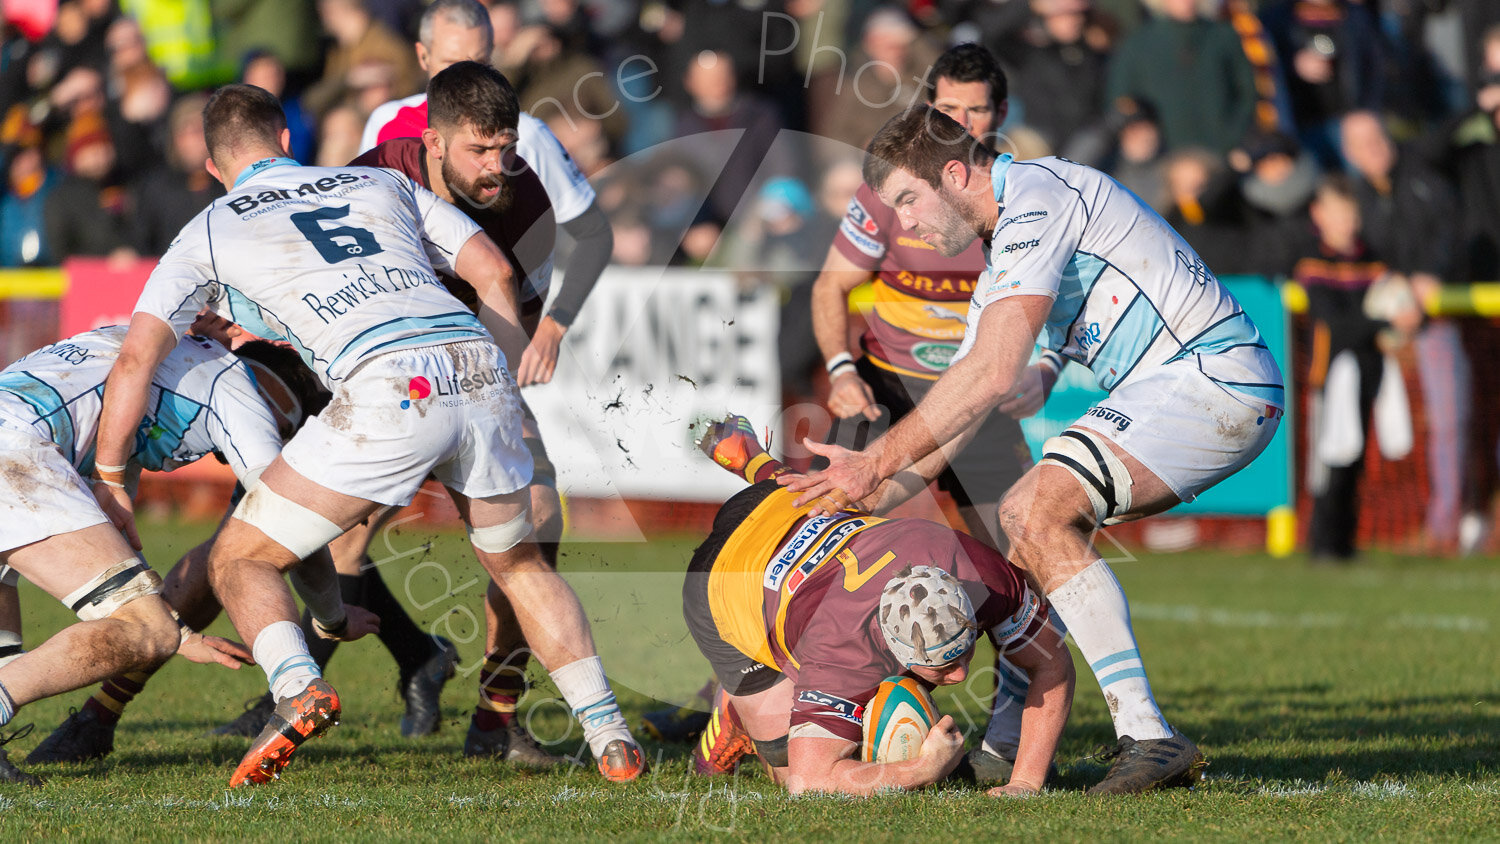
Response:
column 846, row 709
column 934, row 356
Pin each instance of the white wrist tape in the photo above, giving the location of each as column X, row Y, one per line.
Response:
column 837, row 361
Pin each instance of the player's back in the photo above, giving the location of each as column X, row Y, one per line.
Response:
column 338, row 261
column 1130, row 293
column 63, row 383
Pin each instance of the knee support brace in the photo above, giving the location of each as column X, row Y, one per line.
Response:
column 497, row 539
column 1103, row 476
column 285, row 522
column 113, row 588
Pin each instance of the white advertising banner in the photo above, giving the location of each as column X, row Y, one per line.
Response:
column 654, row 352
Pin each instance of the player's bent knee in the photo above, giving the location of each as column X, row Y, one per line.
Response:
column 1104, row 477
column 285, row 522
column 497, row 539
column 151, row 634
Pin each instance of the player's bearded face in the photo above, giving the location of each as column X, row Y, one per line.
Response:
column 475, row 168
column 488, row 190
column 946, row 228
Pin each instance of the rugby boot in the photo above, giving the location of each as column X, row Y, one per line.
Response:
column 512, row 744
column 622, row 761
column 296, row 719
column 680, row 723
column 1141, row 766
column 250, row 722
column 8, row 771
column 731, row 443
column 724, row 741
column 78, row 739
column 423, row 691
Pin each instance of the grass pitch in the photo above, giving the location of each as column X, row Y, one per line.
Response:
column 1344, row 704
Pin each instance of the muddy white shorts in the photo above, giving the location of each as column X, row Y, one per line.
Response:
column 1187, row 430
column 452, row 410
column 41, row 494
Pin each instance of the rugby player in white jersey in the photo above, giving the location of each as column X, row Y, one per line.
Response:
column 340, row 262
column 202, row 399
column 1079, row 264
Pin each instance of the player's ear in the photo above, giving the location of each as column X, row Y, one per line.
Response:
column 422, row 56
column 286, row 142
column 956, row 174
column 213, row 169
column 433, row 143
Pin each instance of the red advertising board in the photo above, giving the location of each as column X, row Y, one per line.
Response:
column 101, row 291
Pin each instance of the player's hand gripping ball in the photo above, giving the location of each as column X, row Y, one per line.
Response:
column 897, row 720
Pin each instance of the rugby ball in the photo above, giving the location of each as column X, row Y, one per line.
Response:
column 897, row 720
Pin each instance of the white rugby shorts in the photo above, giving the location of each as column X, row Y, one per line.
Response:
column 1187, row 430
column 450, row 410
column 41, row 494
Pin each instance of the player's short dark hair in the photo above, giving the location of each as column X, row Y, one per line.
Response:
column 472, row 94
column 730, row 516
column 292, row 370
column 241, row 116
column 921, row 140
column 1336, row 185
column 969, row 63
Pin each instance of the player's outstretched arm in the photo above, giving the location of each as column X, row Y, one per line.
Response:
column 1003, row 341
column 126, row 391
column 1049, row 665
column 593, row 245
column 826, row 764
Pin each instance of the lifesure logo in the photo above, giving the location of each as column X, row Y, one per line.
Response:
column 417, row 389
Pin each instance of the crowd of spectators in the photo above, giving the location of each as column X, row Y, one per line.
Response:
column 728, row 132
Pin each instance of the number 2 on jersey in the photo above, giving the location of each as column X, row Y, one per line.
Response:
column 854, row 576
column 338, row 243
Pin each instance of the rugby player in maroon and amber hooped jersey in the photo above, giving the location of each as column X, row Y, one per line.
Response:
column 803, row 615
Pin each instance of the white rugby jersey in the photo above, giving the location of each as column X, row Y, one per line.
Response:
column 337, row 261
column 1128, row 292
column 203, row 399
column 567, row 187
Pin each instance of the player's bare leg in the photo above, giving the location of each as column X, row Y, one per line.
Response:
column 554, row 624
column 124, row 628
column 756, row 723
column 1050, row 521
column 494, row 728
column 89, row 731
column 246, row 568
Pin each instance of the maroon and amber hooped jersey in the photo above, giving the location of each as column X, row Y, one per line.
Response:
column 800, row 593
column 921, row 297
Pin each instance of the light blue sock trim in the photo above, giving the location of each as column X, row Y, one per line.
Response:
column 1127, row 674
column 292, row 663
column 1133, row 653
column 7, row 706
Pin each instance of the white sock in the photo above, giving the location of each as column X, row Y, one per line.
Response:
column 1003, row 736
column 281, row 651
column 587, row 692
column 1093, row 606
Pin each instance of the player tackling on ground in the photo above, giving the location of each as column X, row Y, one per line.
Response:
column 1082, row 264
column 340, row 263
column 802, row 615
